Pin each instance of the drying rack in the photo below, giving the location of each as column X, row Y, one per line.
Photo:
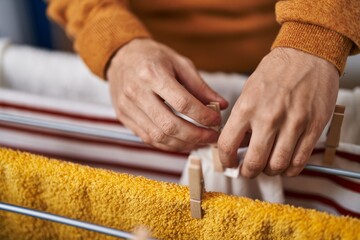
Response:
column 128, row 137
column 108, row 135
column 67, row 221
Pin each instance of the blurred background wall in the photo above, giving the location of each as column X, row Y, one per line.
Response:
column 25, row 22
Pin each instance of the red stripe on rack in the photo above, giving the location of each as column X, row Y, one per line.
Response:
column 349, row 156
column 323, row 200
column 137, row 147
column 353, row 186
column 82, row 161
column 59, row 113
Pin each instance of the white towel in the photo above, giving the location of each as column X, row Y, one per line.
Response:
column 4, row 44
column 262, row 187
column 54, row 74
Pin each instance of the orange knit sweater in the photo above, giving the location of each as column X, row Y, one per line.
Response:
column 228, row 35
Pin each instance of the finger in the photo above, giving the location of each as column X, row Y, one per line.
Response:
column 283, row 149
column 156, row 136
column 230, row 139
column 174, row 126
column 182, row 101
column 130, row 124
column 146, row 138
column 302, row 154
column 260, row 146
column 193, row 82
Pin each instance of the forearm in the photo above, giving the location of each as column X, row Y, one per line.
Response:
column 98, row 27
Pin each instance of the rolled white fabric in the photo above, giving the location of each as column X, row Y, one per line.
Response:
column 54, row 74
column 262, row 187
column 4, row 44
column 64, row 75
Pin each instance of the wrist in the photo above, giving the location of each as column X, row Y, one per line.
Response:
column 123, row 52
column 315, row 40
column 301, row 58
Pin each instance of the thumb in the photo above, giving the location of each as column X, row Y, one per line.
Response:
column 189, row 77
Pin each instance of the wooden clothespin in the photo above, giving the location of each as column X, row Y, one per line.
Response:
column 214, row 148
column 141, row 233
column 333, row 135
column 196, row 186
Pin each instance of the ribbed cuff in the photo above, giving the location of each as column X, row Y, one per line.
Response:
column 316, row 40
column 104, row 35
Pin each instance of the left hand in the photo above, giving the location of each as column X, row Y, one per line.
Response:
column 285, row 104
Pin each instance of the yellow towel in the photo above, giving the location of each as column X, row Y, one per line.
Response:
column 122, row 201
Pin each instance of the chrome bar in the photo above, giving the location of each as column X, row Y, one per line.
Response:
column 107, row 134
column 332, row 171
column 69, row 128
column 64, row 220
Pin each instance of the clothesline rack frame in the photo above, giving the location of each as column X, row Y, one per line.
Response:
column 109, row 135
column 67, row 221
column 128, row 137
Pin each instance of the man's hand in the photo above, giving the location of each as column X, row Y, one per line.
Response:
column 142, row 75
column 285, row 104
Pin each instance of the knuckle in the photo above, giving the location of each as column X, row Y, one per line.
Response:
column 120, row 103
column 226, row 148
column 182, row 105
column 244, row 109
column 174, row 147
column 169, row 127
column 317, row 125
column 163, row 147
column 157, row 136
column 282, row 155
column 129, row 91
column 300, row 121
column 188, row 62
column 145, row 138
column 291, row 174
column 178, row 148
column 279, row 165
column 202, row 86
column 300, row 160
column 119, row 113
column 145, row 71
column 272, row 120
column 254, row 166
column 249, row 175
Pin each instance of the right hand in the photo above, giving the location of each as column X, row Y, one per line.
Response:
column 142, row 75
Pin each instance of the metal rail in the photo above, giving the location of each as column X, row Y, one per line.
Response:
column 332, row 171
column 68, row 128
column 107, row 134
column 67, row 221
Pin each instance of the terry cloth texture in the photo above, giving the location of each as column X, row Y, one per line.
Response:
column 123, row 202
column 228, row 36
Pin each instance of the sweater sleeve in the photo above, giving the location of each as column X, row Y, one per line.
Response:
column 329, row 29
column 99, row 28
